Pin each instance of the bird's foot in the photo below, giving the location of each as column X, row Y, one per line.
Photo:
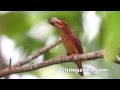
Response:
column 72, row 55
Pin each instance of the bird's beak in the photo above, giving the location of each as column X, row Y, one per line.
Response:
column 56, row 22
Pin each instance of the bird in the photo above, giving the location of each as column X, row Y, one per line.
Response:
column 70, row 41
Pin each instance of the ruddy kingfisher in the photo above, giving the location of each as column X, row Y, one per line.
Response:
column 71, row 43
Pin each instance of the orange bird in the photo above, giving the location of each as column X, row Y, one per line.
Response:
column 71, row 43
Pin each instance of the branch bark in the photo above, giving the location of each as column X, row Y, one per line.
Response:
column 38, row 53
column 62, row 59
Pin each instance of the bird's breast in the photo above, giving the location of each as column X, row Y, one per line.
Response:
column 69, row 44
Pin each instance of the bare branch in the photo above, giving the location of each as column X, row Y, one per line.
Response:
column 117, row 59
column 38, row 53
column 10, row 63
column 62, row 59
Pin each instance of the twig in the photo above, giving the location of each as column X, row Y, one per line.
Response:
column 63, row 59
column 38, row 53
column 10, row 63
column 117, row 59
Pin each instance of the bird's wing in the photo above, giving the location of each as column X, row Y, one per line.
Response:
column 77, row 44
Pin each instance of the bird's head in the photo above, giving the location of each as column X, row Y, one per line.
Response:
column 62, row 25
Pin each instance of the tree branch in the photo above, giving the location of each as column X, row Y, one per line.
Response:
column 62, row 59
column 38, row 53
column 117, row 59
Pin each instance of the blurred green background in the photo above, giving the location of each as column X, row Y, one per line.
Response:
column 23, row 32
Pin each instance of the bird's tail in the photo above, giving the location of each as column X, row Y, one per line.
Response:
column 79, row 66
